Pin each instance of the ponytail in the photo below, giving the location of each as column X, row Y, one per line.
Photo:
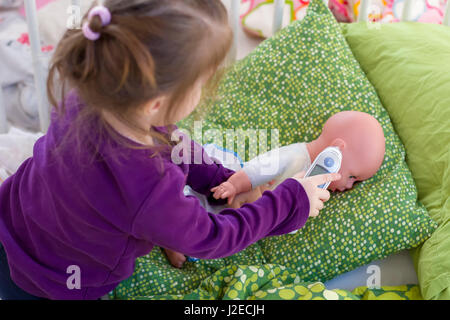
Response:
column 148, row 49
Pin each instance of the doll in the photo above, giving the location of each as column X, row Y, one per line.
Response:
column 358, row 135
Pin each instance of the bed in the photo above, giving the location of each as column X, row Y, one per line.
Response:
column 397, row 269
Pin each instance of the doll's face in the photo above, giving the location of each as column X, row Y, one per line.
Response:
column 354, row 168
column 361, row 141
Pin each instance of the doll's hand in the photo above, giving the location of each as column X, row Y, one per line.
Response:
column 176, row 259
column 225, row 190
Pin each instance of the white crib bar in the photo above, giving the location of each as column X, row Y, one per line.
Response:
column 40, row 76
column 3, row 121
column 234, row 22
column 407, row 10
column 364, row 10
column 278, row 15
column 446, row 20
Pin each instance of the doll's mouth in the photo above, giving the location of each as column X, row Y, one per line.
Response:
column 334, row 189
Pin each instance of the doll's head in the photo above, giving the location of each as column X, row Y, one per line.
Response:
column 361, row 141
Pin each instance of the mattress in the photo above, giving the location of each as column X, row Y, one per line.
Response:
column 395, row 270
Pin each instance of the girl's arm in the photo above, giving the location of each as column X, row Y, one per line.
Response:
column 171, row 220
column 204, row 173
column 204, row 176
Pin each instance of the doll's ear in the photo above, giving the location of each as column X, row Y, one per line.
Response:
column 339, row 143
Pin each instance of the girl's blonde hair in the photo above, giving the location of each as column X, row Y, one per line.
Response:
column 150, row 48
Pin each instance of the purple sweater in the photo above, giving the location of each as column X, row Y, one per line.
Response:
column 99, row 208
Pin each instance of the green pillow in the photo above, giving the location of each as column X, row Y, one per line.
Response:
column 294, row 82
column 408, row 63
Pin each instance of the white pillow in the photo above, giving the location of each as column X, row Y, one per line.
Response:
column 15, row 147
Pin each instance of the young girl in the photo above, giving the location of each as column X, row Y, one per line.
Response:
column 101, row 188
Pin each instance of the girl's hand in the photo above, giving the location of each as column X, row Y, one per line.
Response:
column 225, row 190
column 317, row 196
column 246, row 197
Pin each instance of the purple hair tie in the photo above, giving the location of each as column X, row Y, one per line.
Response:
column 104, row 15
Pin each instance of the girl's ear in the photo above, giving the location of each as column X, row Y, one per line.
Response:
column 339, row 143
column 154, row 105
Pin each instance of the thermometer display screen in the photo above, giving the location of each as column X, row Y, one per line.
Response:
column 318, row 170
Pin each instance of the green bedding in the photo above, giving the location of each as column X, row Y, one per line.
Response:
column 377, row 218
column 294, row 82
column 408, row 63
column 269, row 282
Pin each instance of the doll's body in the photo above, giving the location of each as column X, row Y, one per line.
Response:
column 358, row 135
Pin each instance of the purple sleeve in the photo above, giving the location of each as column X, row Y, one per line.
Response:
column 171, row 220
column 204, row 173
column 203, row 177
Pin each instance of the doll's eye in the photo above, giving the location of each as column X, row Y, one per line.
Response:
column 352, row 177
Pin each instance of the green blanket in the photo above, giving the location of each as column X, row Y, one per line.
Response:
column 375, row 219
column 244, row 276
column 265, row 281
